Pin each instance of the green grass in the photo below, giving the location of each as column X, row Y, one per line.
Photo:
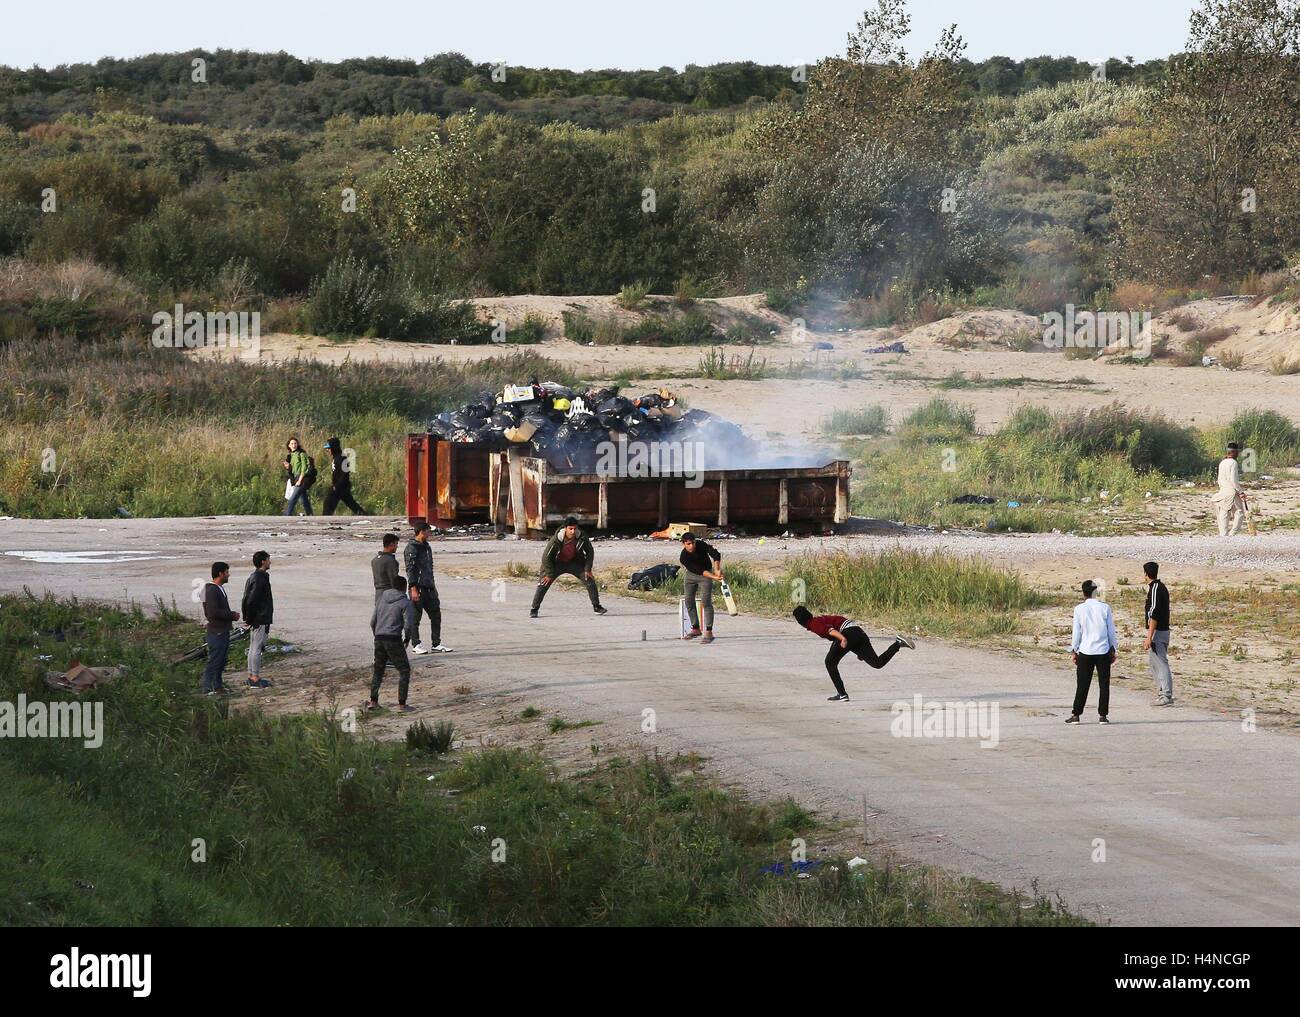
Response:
column 1048, row 463
column 936, row 592
column 306, row 823
column 163, row 434
column 872, row 420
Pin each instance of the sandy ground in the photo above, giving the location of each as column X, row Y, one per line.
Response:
column 1185, row 843
column 795, row 409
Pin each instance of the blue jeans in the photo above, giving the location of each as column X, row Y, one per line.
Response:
column 218, row 651
column 298, row 493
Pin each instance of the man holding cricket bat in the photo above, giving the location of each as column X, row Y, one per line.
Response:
column 703, row 564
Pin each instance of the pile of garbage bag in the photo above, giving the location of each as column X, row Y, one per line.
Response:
column 566, row 427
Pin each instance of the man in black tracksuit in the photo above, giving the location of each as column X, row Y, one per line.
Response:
column 340, row 481
column 568, row 552
column 418, row 558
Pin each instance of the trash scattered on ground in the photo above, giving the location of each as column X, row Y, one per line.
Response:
column 855, row 861
column 888, row 348
column 124, row 513
column 675, row 531
column 784, row 868
column 972, row 499
column 653, row 577
column 78, row 678
column 822, row 346
column 1013, row 504
column 200, row 652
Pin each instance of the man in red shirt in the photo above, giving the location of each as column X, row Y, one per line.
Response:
column 846, row 636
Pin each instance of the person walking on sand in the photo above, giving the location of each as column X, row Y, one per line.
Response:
column 340, row 481
column 258, row 607
column 703, row 564
column 569, row 552
column 1229, row 500
column 217, row 621
column 383, row 566
column 1157, row 640
column 298, row 465
column 418, row 558
column 846, row 636
column 1094, row 647
column 387, row 623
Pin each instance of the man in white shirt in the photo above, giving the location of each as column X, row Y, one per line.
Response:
column 1094, row 646
column 1228, row 500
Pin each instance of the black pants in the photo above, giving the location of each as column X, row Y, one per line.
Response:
column 1083, row 671
column 342, row 494
column 859, row 644
column 578, row 571
column 427, row 604
column 390, row 651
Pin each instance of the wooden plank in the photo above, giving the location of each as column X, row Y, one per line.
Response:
column 722, row 503
column 602, row 506
column 842, row 498
column 783, row 509
column 517, row 493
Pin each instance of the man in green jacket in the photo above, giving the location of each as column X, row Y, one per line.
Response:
column 568, row 552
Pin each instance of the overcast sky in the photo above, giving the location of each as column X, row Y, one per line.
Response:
column 576, row 34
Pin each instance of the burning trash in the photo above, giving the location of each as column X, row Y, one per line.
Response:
column 567, row 427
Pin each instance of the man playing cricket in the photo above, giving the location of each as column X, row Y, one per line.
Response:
column 846, row 636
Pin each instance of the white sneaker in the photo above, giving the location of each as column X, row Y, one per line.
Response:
column 909, row 643
column 440, row 649
column 418, row 648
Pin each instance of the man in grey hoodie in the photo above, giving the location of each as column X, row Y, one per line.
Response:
column 387, row 622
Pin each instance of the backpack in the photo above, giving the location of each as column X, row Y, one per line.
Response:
column 309, row 477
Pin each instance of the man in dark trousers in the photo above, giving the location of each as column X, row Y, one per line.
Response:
column 383, row 566
column 340, row 481
column 846, row 636
column 703, row 564
column 1094, row 646
column 258, row 607
column 567, row 553
column 418, row 558
column 217, row 620
column 1157, row 641
column 387, row 622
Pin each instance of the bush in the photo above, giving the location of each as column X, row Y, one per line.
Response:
column 1273, row 437
column 578, row 326
column 873, row 420
column 345, row 300
column 434, row 741
column 632, row 296
column 939, row 420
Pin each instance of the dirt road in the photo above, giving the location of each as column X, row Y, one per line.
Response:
column 1199, row 819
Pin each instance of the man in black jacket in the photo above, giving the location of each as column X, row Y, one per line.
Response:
column 418, row 558
column 217, row 618
column 383, row 566
column 257, row 607
column 340, row 481
column 568, row 552
column 703, row 564
column 1157, row 641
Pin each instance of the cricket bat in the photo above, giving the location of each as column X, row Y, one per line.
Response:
column 730, row 601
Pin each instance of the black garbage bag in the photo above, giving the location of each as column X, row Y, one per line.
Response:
column 586, row 422
column 441, row 425
column 614, row 411
column 506, row 415
column 653, row 577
